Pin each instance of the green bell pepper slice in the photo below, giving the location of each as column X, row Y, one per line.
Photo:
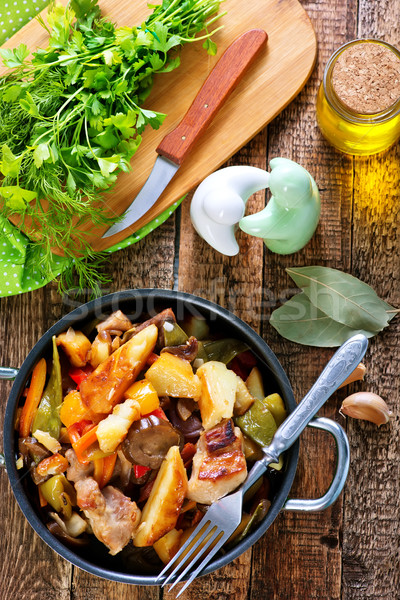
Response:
column 259, row 424
column 174, row 334
column 196, row 327
column 47, row 417
column 59, row 493
column 276, row 406
column 224, row 350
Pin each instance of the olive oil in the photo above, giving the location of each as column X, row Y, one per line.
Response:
column 357, row 131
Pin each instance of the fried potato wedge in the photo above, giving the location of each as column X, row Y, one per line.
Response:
column 75, row 345
column 161, row 511
column 255, row 384
column 112, row 430
column 243, row 399
column 218, row 393
column 167, row 546
column 173, row 376
column 105, row 387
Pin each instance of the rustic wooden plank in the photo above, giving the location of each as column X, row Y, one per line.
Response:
column 89, row 587
column 149, row 263
column 229, row 582
column 371, row 528
column 29, row 569
column 371, row 532
column 300, row 557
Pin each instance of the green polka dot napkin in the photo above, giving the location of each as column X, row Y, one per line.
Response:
column 15, row 13
column 16, row 273
column 18, row 276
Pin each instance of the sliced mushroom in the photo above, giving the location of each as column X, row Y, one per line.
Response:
column 29, row 447
column 148, row 441
column 36, row 477
column 187, row 351
column 128, row 334
column 123, row 470
column 158, row 320
column 117, row 321
column 189, row 428
column 56, row 530
column 116, row 343
column 74, row 526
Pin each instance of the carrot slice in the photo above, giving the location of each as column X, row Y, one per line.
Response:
column 108, row 468
column 83, row 443
column 52, row 465
column 33, row 398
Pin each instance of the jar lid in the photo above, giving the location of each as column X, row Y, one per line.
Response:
column 366, row 77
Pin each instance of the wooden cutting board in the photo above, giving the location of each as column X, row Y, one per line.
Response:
column 272, row 81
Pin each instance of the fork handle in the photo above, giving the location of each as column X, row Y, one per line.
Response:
column 341, row 365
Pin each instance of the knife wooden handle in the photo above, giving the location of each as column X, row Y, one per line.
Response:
column 224, row 77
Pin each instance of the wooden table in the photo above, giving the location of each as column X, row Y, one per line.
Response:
column 351, row 551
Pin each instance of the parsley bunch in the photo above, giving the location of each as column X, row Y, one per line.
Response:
column 71, row 118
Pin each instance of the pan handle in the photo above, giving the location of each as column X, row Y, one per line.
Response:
column 342, row 469
column 8, row 373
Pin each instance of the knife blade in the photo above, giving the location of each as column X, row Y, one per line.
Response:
column 177, row 144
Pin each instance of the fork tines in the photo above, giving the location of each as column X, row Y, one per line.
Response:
column 207, row 539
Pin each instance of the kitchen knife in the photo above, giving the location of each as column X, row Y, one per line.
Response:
column 176, row 145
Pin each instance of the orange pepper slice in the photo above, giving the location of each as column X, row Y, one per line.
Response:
column 104, row 468
column 33, row 398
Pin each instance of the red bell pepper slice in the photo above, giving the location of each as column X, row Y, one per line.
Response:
column 158, row 412
column 140, row 470
column 79, row 374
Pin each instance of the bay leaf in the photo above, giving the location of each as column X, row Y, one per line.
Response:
column 391, row 311
column 300, row 321
column 342, row 297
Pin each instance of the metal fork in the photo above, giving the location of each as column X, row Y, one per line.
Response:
column 224, row 516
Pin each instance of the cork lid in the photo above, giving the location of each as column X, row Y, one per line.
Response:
column 366, row 77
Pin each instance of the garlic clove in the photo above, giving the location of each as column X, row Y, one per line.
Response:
column 356, row 375
column 367, row 406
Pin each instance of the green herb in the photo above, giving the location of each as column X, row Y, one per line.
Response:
column 71, row 118
column 333, row 307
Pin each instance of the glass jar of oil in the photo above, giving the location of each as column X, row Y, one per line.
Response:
column 358, row 103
